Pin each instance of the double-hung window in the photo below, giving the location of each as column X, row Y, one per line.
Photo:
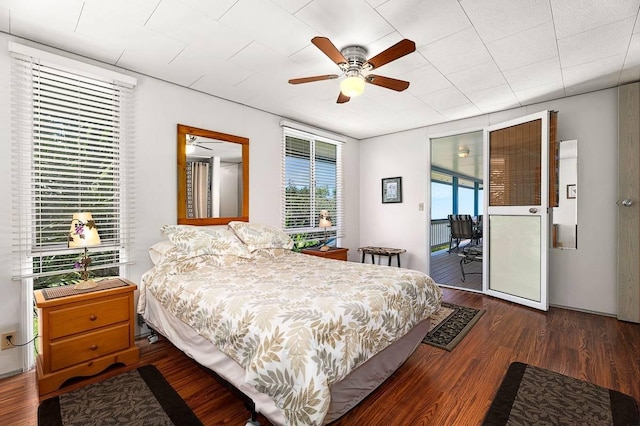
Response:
column 312, row 182
column 72, row 150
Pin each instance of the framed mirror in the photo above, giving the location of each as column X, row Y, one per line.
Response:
column 213, row 177
column 565, row 214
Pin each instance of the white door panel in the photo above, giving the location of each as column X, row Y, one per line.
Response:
column 516, row 205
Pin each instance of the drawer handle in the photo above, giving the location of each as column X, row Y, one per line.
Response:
column 93, row 347
column 93, row 317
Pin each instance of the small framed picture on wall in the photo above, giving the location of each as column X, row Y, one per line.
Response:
column 572, row 191
column 392, row 190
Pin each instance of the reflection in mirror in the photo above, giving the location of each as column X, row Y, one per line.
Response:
column 565, row 215
column 213, row 171
column 214, row 178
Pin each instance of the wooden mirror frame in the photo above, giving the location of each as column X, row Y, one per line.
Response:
column 183, row 131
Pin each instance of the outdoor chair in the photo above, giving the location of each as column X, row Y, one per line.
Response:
column 470, row 254
column 461, row 228
column 477, row 229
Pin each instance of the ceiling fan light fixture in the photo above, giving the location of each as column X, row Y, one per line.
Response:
column 352, row 86
column 463, row 152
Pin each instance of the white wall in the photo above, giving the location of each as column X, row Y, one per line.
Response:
column 583, row 279
column 160, row 107
column 399, row 225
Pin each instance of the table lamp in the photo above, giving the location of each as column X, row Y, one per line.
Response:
column 83, row 233
column 324, row 222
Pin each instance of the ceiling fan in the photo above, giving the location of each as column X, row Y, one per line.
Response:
column 353, row 62
column 192, row 144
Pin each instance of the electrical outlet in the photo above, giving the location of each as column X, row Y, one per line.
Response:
column 4, row 342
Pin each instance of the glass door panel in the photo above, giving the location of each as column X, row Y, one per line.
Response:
column 515, row 254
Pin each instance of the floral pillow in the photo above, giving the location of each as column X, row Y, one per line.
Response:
column 178, row 263
column 191, row 241
column 258, row 236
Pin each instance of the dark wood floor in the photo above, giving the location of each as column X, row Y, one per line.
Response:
column 445, row 270
column 434, row 387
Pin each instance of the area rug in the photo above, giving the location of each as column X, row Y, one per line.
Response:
column 532, row 395
column 137, row 397
column 450, row 324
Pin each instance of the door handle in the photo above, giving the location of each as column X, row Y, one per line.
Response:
column 627, row 203
column 533, row 210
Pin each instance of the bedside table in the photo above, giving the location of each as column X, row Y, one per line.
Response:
column 82, row 332
column 337, row 253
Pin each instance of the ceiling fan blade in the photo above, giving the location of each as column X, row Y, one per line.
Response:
column 342, row 98
column 314, row 78
column 329, row 49
column 203, row 147
column 387, row 82
column 398, row 50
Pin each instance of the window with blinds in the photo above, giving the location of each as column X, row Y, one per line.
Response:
column 312, row 182
column 72, row 152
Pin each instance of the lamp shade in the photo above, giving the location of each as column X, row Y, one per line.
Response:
column 325, row 219
column 83, row 232
column 324, row 223
column 352, row 86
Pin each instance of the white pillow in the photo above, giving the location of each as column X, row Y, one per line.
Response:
column 258, row 236
column 159, row 249
column 192, row 241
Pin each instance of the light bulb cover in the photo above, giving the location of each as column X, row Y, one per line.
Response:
column 352, row 86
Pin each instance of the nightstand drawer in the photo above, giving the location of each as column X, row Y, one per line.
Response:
column 88, row 316
column 67, row 352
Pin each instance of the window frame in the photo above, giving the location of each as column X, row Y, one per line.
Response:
column 307, row 236
column 31, row 98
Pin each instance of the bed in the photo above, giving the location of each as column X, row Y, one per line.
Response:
column 305, row 338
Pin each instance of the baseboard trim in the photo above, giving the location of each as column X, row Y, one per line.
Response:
column 586, row 311
column 11, row 373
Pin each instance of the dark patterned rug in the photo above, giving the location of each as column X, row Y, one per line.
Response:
column 451, row 324
column 137, row 397
column 532, row 395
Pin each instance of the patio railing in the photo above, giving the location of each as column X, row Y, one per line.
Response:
column 440, row 232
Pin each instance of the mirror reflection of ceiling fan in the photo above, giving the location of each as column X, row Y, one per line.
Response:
column 192, row 144
column 354, row 64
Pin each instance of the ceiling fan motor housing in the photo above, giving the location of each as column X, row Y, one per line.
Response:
column 356, row 57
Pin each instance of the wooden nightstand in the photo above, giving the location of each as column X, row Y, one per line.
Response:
column 337, row 253
column 84, row 332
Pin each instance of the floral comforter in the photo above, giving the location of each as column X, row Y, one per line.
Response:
column 295, row 323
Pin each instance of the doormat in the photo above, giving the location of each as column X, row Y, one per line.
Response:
column 531, row 394
column 450, row 324
column 140, row 397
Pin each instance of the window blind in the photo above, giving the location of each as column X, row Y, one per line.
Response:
column 312, row 180
column 72, row 151
column 514, row 155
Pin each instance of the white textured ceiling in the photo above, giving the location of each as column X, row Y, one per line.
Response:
column 472, row 56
